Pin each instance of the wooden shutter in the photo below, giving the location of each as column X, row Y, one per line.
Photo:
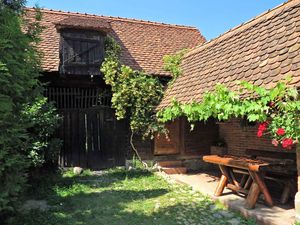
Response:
column 81, row 53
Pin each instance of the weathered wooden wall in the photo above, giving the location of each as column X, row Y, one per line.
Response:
column 92, row 136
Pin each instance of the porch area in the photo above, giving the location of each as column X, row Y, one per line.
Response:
column 206, row 182
column 237, row 139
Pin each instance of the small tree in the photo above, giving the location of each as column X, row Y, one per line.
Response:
column 135, row 94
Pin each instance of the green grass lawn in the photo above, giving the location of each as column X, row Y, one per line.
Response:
column 119, row 197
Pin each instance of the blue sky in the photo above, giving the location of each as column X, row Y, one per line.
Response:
column 212, row 17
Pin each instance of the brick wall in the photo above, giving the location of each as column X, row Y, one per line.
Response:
column 201, row 138
column 144, row 147
column 239, row 138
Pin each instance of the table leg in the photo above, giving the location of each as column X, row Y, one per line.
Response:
column 252, row 196
column 248, row 183
column 243, row 180
column 221, row 185
column 235, row 182
column 226, row 172
column 263, row 188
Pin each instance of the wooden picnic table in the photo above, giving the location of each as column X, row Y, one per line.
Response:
column 251, row 185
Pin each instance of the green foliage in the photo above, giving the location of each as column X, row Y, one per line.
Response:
column 43, row 120
column 15, row 5
column 172, row 64
column 278, row 106
column 135, row 93
column 221, row 104
column 24, row 118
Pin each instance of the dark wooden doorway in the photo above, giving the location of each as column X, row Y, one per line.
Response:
column 92, row 136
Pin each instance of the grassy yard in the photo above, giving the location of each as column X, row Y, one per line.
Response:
column 115, row 197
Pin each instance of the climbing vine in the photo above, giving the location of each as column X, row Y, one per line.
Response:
column 172, row 64
column 276, row 109
column 135, row 94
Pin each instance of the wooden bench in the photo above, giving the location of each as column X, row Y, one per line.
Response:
column 283, row 173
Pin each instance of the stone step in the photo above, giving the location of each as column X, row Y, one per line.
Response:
column 170, row 163
column 174, row 170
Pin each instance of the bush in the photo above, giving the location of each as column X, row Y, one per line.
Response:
column 26, row 119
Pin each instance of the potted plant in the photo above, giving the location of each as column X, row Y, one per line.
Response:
column 219, row 147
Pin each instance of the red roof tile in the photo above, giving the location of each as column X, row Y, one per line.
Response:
column 84, row 23
column 143, row 43
column 262, row 51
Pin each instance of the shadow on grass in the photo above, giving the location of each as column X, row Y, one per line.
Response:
column 43, row 186
column 115, row 208
column 106, row 207
column 103, row 205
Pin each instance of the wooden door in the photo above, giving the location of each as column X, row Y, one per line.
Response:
column 92, row 136
column 168, row 144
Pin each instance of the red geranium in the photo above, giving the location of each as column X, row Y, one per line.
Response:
column 275, row 142
column 287, row 143
column 261, row 128
column 280, row 131
column 259, row 133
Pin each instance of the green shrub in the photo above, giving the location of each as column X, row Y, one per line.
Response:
column 26, row 119
column 43, row 122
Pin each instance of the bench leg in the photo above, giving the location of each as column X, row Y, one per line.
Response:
column 286, row 193
column 252, row 196
column 221, row 185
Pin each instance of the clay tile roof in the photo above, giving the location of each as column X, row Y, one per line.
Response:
column 262, row 51
column 143, row 43
column 83, row 23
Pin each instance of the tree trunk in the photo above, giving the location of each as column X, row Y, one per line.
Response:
column 136, row 151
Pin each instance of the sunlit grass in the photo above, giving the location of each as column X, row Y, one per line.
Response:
column 116, row 196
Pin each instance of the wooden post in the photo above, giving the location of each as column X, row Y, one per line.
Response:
column 297, row 197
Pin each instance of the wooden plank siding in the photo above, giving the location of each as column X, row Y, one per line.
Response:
column 92, row 137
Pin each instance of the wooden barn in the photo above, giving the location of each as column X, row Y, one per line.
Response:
column 73, row 50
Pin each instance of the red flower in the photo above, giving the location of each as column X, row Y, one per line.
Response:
column 261, row 128
column 280, row 131
column 259, row 133
column 287, row 143
column 275, row 142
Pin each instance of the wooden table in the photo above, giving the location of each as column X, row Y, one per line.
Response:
column 252, row 184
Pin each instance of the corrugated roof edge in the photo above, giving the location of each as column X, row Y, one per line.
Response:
column 250, row 23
